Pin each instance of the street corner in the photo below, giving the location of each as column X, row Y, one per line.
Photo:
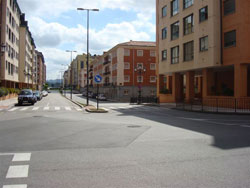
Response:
column 93, row 109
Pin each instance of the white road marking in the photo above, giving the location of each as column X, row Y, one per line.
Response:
column 35, row 108
column 78, row 109
column 12, row 110
column 19, row 157
column 20, row 171
column 247, row 126
column 24, row 109
column 15, row 186
column 46, row 108
column 68, row 108
column 112, row 108
column 57, row 108
column 1, row 110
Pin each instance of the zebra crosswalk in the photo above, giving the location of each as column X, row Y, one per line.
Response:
column 46, row 108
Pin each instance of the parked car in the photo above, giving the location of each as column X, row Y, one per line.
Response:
column 26, row 96
column 44, row 93
column 90, row 94
column 102, row 97
column 84, row 93
column 38, row 95
column 94, row 95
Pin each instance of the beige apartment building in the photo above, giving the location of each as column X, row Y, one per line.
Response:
column 126, row 69
column 203, row 49
column 27, row 45
column 10, row 21
column 41, row 70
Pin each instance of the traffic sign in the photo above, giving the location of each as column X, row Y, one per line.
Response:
column 98, row 79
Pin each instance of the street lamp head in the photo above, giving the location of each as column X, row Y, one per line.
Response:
column 88, row 9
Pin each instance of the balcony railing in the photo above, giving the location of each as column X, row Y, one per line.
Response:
column 107, row 62
column 90, row 70
column 107, row 73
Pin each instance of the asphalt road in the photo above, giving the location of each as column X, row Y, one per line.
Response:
column 55, row 144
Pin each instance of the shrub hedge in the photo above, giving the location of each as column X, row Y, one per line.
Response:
column 5, row 91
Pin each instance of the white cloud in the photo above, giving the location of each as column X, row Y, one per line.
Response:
column 52, row 38
column 57, row 7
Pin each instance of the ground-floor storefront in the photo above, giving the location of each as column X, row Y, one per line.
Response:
column 222, row 82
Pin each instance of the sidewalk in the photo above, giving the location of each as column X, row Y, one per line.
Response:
column 8, row 103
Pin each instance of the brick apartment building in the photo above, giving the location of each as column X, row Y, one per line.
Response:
column 203, row 49
column 41, row 70
column 18, row 59
column 126, row 68
column 9, row 22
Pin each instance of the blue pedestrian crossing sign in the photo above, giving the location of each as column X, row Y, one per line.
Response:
column 98, row 79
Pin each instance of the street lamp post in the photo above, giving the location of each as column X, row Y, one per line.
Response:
column 71, row 51
column 140, row 70
column 83, row 9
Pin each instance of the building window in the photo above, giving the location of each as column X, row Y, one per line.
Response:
column 229, row 7
column 203, row 14
column 152, row 79
column 9, row 68
column 152, row 53
column 126, row 65
column 188, row 24
column 152, row 66
column 139, row 65
column 12, row 69
column 164, row 11
column 126, row 92
column 230, row 38
column 140, row 53
column 164, row 33
column 126, row 52
column 175, row 55
column 175, row 31
column 139, row 79
column 174, row 7
column 126, row 78
column 189, row 51
column 187, row 3
column 164, row 55
column 204, row 44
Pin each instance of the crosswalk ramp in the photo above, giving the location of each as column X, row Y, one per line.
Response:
column 46, row 108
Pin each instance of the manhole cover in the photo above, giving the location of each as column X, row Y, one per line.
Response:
column 37, row 116
column 134, row 126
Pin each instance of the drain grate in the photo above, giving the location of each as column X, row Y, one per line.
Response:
column 134, row 126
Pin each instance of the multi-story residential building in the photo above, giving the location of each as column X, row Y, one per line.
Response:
column 26, row 47
column 202, row 49
column 127, row 69
column 9, row 20
column 41, row 70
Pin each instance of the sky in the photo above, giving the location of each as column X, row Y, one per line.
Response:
column 57, row 26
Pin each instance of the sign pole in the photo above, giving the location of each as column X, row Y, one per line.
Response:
column 97, row 99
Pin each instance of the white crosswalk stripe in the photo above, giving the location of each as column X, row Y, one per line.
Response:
column 24, row 109
column 1, row 110
column 57, row 108
column 78, row 109
column 16, row 186
column 35, row 108
column 20, row 171
column 13, row 109
column 46, row 108
column 68, row 108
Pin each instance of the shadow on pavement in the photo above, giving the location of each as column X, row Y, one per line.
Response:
column 228, row 131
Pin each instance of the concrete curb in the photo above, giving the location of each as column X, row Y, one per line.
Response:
column 95, row 111
column 76, row 103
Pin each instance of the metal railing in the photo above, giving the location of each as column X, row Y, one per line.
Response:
column 217, row 105
column 135, row 100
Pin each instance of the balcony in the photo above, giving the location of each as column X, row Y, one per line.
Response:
column 107, row 73
column 106, row 62
column 91, row 70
